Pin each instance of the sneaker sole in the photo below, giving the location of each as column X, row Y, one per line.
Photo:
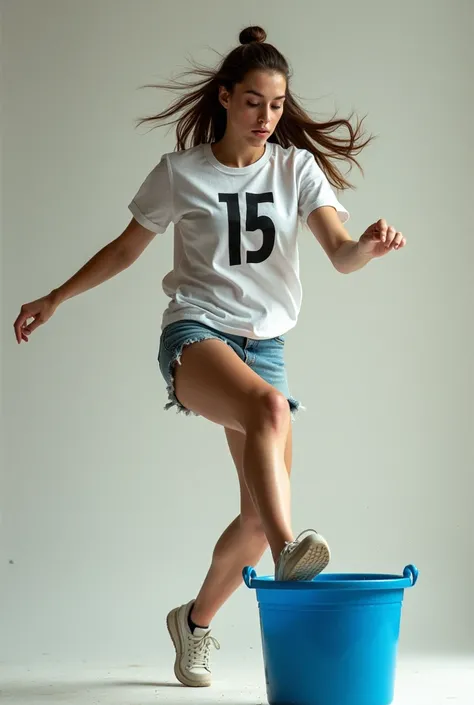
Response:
column 313, row 562
column 173, row 630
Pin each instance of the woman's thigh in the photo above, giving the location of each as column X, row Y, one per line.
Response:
column 213, row 382
column 264, row 357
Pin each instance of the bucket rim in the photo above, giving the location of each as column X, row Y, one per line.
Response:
column 335, row 581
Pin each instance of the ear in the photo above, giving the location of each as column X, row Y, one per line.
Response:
column 224, row 96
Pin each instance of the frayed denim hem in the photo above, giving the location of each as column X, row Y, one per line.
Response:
column 295, row 407
column 294, row 404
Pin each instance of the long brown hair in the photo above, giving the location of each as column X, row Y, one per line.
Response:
column 204, row 118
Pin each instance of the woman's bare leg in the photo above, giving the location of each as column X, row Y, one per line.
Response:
column 214, row 382
column 242, row 543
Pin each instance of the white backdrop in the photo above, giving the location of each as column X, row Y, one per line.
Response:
column 110, row 507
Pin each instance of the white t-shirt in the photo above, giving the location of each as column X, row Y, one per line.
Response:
column 236, row 261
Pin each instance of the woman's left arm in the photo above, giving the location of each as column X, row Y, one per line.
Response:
column 345, row 254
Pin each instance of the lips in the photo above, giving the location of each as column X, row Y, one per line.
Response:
column 261, row 132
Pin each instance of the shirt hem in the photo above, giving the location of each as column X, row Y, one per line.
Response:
column 221, row 328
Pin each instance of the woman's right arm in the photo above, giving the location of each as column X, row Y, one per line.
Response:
column 109, row 261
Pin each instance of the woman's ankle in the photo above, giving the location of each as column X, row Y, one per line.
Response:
column 195, row 622
column 277, row 547
column 198, row 618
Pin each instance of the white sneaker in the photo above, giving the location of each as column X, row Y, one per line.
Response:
column 303, row 559
column 191, row 666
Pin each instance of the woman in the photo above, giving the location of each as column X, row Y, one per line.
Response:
column 257, row 167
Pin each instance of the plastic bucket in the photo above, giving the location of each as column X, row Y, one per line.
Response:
column 332, row 640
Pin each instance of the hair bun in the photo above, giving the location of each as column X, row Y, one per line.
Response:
column 252, row 34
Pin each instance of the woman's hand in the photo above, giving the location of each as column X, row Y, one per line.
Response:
column 40, row 311
column 380, row 238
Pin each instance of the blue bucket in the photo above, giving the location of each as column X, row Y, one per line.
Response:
column 332, row 640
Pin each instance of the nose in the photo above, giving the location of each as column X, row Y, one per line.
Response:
column 264, row 118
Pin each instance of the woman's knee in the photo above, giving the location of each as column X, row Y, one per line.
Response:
column 269, row 409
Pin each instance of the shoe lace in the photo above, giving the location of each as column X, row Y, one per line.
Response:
column 200, row 648
column 291, row 545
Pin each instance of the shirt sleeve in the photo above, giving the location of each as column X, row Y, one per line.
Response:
column 152, row 205
column 315, row 191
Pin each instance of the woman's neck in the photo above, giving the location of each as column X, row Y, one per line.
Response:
column 237, row 155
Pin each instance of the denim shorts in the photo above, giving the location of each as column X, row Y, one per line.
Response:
column 265, row 357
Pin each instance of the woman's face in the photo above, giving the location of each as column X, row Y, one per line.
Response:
column 255, row 104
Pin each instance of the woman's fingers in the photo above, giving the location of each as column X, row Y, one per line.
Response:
column 19, row 324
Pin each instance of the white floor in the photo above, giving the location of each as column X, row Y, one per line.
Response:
column 426, row 681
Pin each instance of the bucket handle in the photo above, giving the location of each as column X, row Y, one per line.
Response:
column 410, row 571
column 249, row 574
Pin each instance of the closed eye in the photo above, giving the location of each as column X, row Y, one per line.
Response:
column 255, row 105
